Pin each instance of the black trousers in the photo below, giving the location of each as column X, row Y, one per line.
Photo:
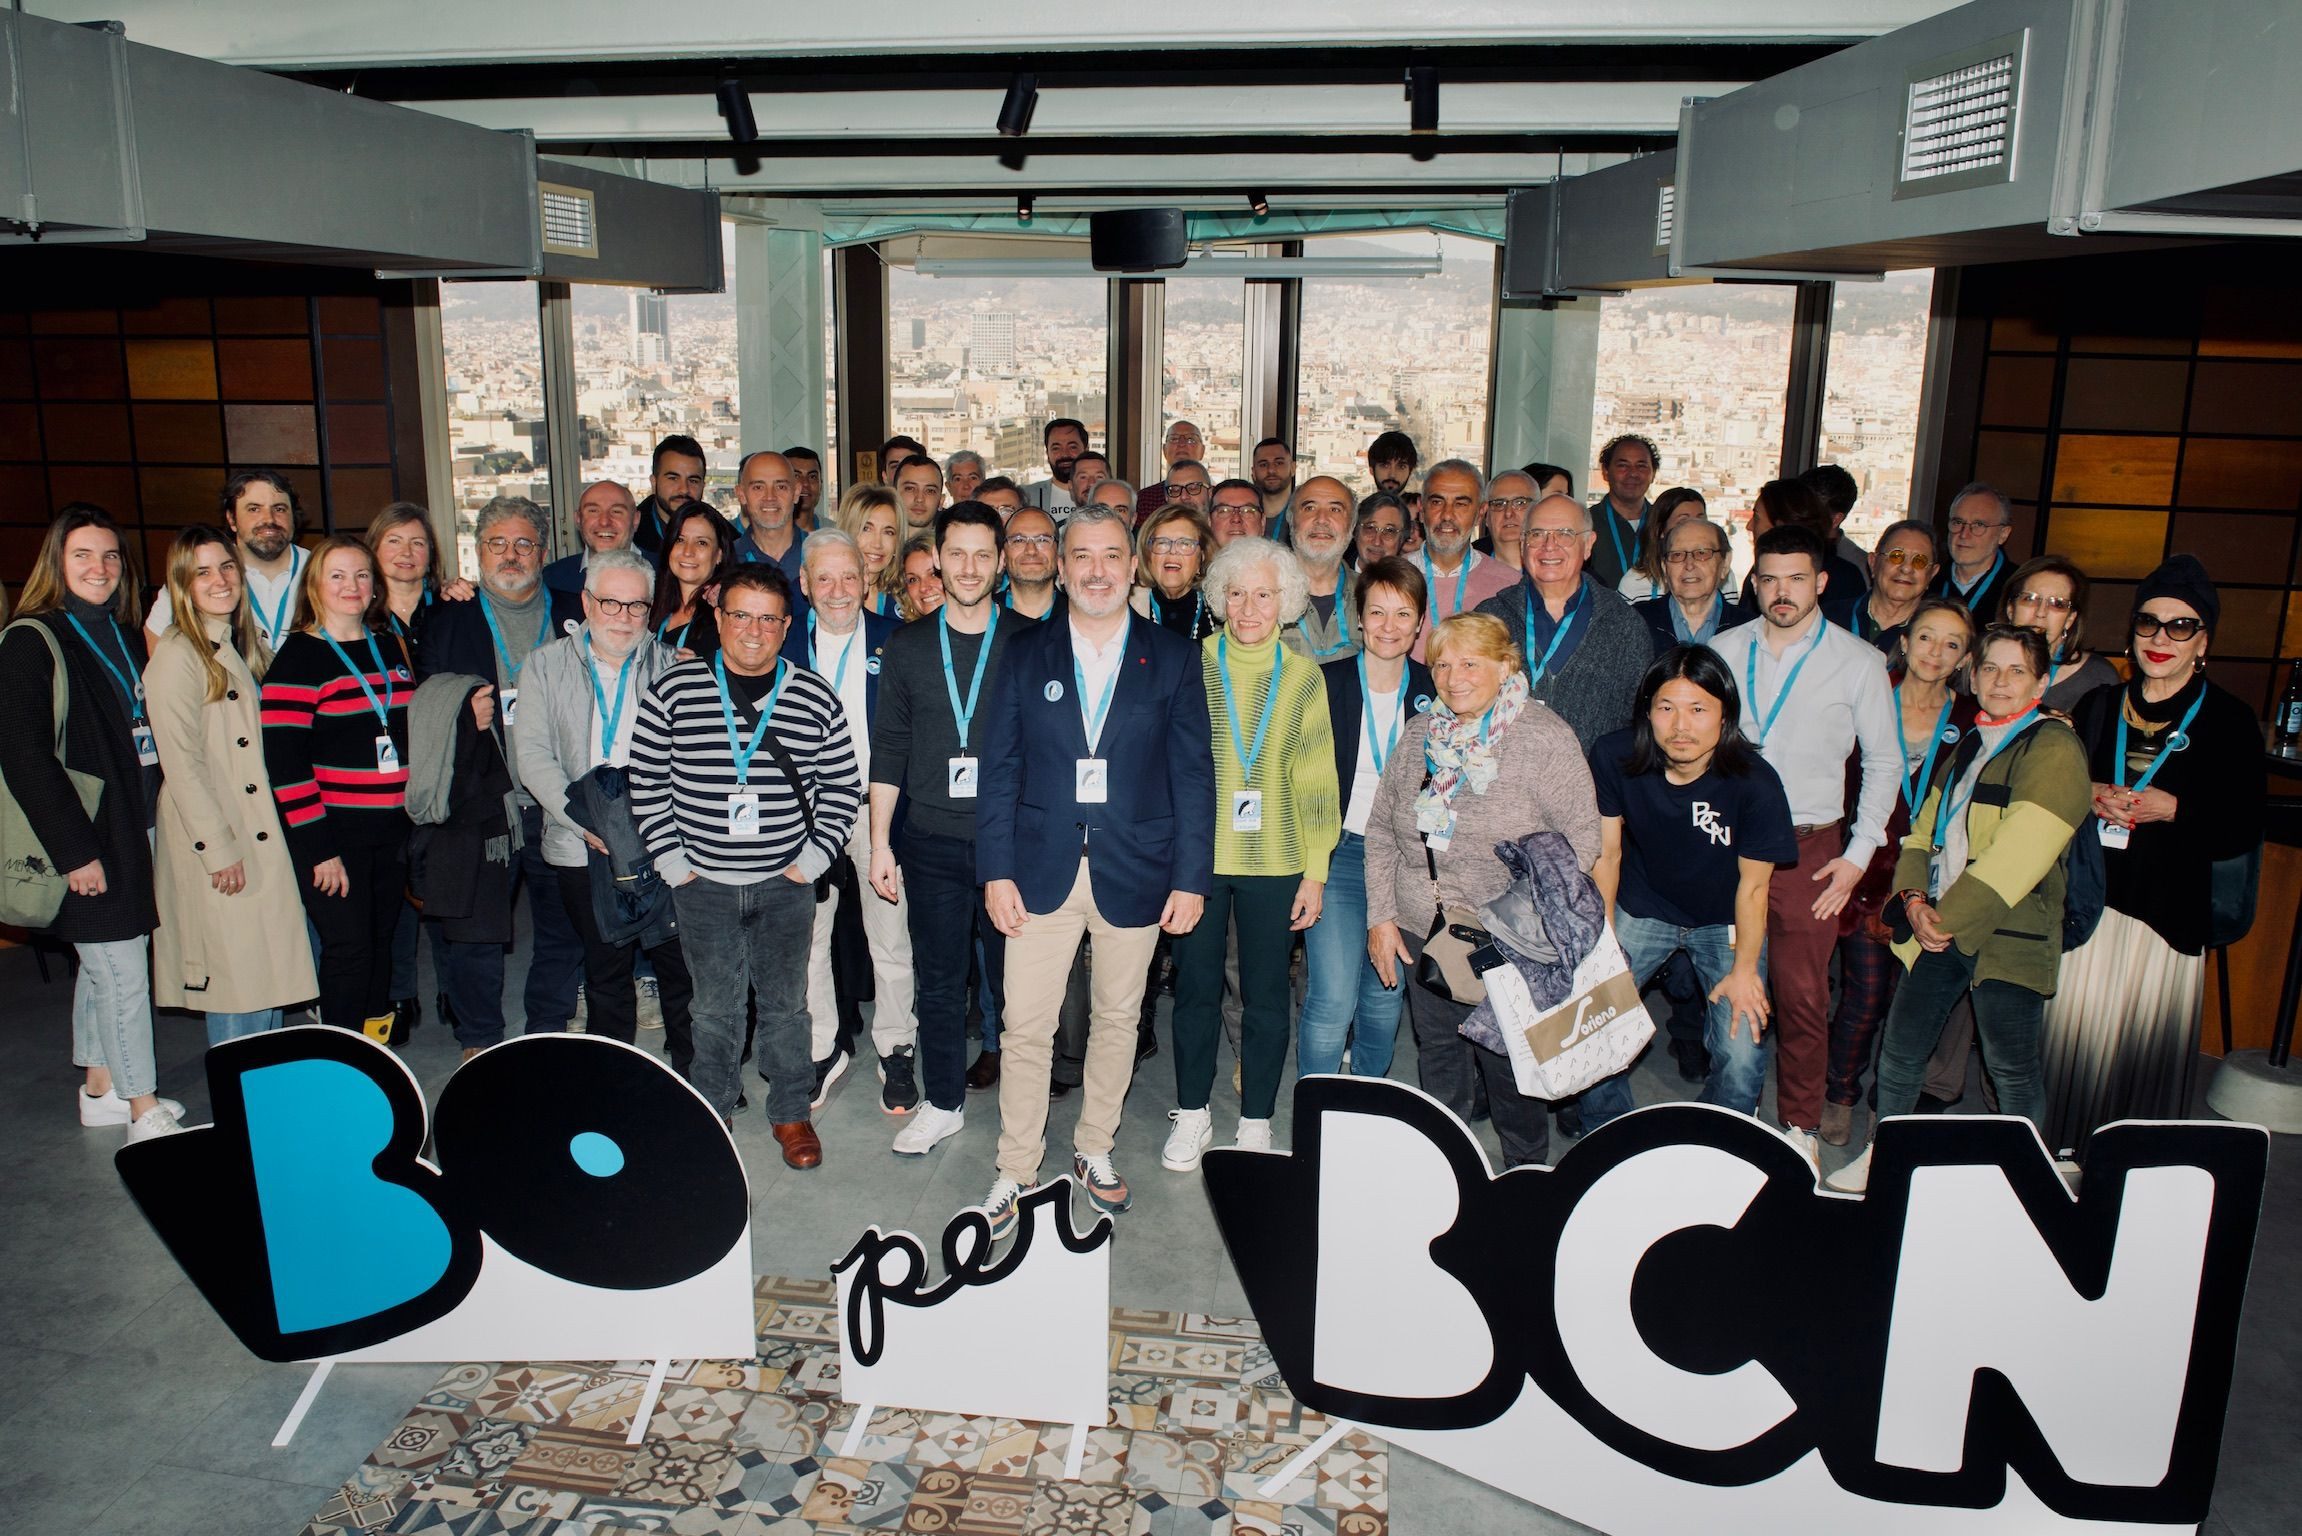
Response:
column 356, row 932
column 611, row 997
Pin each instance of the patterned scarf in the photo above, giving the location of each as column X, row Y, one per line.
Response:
column 1460, row 752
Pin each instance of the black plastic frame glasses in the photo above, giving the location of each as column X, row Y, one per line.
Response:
column 2149, row 624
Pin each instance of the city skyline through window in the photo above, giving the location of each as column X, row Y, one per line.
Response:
column 1871, row 394
column 986, row 363
column 492, row 340
column 1205, row 353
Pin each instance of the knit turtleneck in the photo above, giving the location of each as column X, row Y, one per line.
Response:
column 2167, row 709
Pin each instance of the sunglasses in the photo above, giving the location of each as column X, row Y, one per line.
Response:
column 2149, row 624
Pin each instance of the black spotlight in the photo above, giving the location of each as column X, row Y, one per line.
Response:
column 1015, row 111
column 735, row 106
column 1023, row 209
column 1422, row 99
column 1259, row 203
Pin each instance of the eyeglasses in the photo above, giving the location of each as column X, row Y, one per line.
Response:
column 617, row 608
column 2148, row 624
column 500, row 545
column 1188, row 489
column 1962, row 525
column 1032, row 540
column 1174, row 546
column 1512, row 503
column 1239, row 510
column 1692, row 556
column 1553, row 535
column 2050, row 603
column 1915, row 560
column 754, row 620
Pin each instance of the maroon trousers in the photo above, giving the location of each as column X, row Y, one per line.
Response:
column 1798, row 947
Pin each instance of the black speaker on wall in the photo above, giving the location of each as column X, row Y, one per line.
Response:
column 1137, row 239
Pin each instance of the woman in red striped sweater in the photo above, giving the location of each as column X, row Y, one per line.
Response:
column 335, row 743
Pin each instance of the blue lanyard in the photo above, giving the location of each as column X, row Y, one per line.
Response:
column 838, row 678
column 503, row 654
column 1558, row 636
column 736, row 749
column 1615, row 534
column 1378, row 748
column 1343, row 618
column 608, row 724
column 2174, row 743
column 1710, row 625
column 1766, row 726
column 1462, row 577
column 1093, row 721
column 1997, row 559
column 681, row 642
column 2014, row 728
column 383, row 714
column 124, row 674
column 278, row 621
column 961, row 715
column 1199, row 610
column 1911, row 789
column 1247, row 754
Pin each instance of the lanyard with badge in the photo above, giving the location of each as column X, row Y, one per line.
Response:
column 509, row 694
column 2114, row 836
column 1913, row 788
column 961, row 769
column 1091, row 774
column 131, row 686
column 1767, row 724
column 1954, row 806
column 1377, row 747
column 743, row 805
column 839, row 675
column 609, row 723
column 274, row 624
column 387, row 751
column 1246, row 804
column 1558, row 636
column 1462, row 577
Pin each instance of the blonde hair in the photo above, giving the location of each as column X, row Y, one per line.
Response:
column 315, row 571
column 1482, row 634
column 859, row 502
column 183, row 558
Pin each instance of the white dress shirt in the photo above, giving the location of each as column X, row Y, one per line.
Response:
column 850, row 684
column 1097, row 667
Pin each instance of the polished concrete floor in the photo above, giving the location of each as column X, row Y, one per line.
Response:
column 133, row 1409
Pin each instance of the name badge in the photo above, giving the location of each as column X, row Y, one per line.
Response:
column 387, row 755
column 1247, row 810
column 962, row 780
column 1091, row 780
column 2113, row 835
column 509, row 699
column 1437, row 842
column 743, row 815
column 147, row 750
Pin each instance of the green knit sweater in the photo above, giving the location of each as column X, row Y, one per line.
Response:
column 1302, row 808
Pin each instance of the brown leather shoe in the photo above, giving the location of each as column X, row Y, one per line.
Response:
column 1837, row 1123
column 985, row 1072
column 801, row 1147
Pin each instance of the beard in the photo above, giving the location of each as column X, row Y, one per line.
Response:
column 1061, row 469
column 268, row 543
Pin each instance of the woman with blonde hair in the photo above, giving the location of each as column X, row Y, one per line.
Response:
column 869, row 515
column 919, row 584
column 82, row 594
column 231, row 938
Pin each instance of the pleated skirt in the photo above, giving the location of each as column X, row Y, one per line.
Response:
column 2120, row 1029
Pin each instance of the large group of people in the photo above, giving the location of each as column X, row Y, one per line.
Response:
column 1030, row 752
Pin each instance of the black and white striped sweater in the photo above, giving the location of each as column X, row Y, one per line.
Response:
column 682, row 773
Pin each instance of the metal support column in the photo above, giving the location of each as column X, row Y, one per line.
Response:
column 1137, row 376
column 779, row 338
column 563, row 432
column 1809, row 365
column 1272, row 318
column 859, row 280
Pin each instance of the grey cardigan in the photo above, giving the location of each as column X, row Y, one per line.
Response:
column 554, row 682
column 1594, row 689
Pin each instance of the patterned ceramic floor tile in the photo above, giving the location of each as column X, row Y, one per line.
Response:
column 1104, row 1461
column 1249, row 1463
column 995, row 1506
column 679, row 1472
column 588, row 1461
column 698, row 1413
column 530, row 1393
column 1136, row 1399
column 486, row 1451
column 367, row 1501
column 1084, row 1509
column 1186, row 1468
column 1204, row 1408
column 421, row 1439
column 1357, row 1480
column 1009, row 1448
column 1170, row 1355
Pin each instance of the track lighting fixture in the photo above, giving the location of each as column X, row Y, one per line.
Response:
column 735, row 106
column 1422, row 98
column 1015, row 111
column 1023, row 209
column 1259, row 203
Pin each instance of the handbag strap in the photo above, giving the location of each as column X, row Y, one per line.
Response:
column 1430, row 861
column 59, row 692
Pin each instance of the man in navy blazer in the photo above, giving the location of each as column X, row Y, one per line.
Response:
column 1097, row 817
column 834, row 636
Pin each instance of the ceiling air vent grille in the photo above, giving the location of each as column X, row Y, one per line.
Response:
column 1959, row 117
column 1666, row 211
column 571, row 223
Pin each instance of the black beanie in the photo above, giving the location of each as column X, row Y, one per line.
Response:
column 2182, row 578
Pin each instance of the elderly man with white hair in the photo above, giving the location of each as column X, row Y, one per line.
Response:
column 1278, row 813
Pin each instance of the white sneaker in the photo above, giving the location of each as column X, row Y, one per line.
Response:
column 2069, row 1170
column 1254, row 1135
column 927, row 1126
column 108, row 1108
column 1854, row 1178
column 1194, row 1132
column 650, row 1003
column 153, row 1124
column 1808, row 1145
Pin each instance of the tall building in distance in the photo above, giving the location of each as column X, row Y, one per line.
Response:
column 991, row 342
column 918, row 333
column 650, row 329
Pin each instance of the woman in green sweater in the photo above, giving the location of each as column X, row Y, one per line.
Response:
column 1277, row 815
column 1980, row 886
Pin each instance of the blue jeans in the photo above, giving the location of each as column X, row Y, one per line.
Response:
column 1344, row 1001
column 2009, row 1024
column 738, row 939
column 1738, row 1064
column 230, row 1026
column 112, row 1014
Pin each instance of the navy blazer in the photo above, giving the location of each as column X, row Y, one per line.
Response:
column 876, row 628
column 457, row 637
column 1657, row 612
column 1156, row 834
column 1347, row 714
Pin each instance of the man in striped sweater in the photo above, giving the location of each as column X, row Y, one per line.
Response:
column 745, row 787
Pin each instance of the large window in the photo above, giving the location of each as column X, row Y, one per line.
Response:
column 1870, row 394
column 1409, row 353
column 495, row 386
column 1205, row 347
column 1703, row 371
column 986, row 362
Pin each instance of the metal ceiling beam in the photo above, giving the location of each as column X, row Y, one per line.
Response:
column 1444, row 178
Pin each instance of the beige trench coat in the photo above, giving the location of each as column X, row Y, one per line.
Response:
column 217, row 953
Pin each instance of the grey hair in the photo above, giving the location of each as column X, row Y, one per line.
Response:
column 1908, row 525
column 1726, row 546
column 1190, row 464
column 502, row 509
column 1094, row 513
column 1985, row 488
column 1459, row 467
column 1249, row 552
column 1132, row 491
column 963, row 456
column 603, row 561
column 828, row 539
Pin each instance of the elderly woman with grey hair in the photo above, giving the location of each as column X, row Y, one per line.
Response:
column 1278, row 812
